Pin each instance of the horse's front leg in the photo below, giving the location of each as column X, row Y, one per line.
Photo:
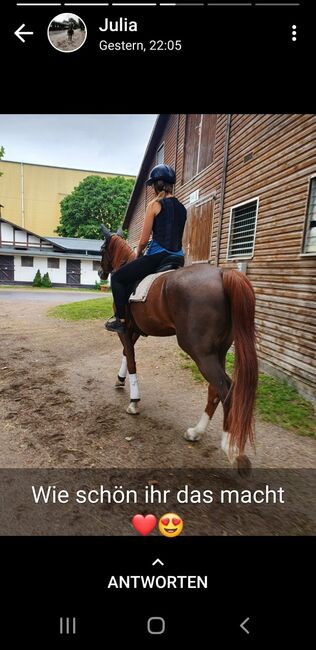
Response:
column 121, row 377
column 128, row 343
column 122, row 373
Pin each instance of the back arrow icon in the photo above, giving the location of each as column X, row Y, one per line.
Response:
column 20, row 34
column 242, row 625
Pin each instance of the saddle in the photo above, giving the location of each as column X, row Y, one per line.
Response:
column 171, row 263
column 141, row 289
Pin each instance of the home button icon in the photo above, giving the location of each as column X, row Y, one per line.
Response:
column 156, row 625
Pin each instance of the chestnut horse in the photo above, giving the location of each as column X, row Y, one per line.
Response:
column 207, row 309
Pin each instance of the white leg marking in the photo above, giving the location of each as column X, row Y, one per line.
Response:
column 120, row 383
column 133, row 386
column 133, row 408
column 195, row 433
column 230, row 453
column 123, row 368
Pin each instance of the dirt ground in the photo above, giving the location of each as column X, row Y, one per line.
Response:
column 60, row 408
column 61, row 42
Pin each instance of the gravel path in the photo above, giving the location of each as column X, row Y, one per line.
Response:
column 59, row 407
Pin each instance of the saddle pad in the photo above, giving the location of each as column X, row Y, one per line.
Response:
column 141, row 293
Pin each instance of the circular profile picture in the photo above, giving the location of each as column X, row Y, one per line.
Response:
column 67, row 32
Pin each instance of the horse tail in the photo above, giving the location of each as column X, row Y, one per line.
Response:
column 245, row 377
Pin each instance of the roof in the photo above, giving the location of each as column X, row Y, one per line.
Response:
column 46, row 252
column 64, row 244
column 143, row 173
column 76, row 244
column 73, row 169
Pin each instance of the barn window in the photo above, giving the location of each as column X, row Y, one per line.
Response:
column 160, row 156
column 310, row 228
column 199, row 143
column 53, row 262
column 26, row 261
column 242, row 229
column 95, row 265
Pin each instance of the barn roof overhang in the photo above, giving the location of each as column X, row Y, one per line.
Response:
column 74, row 244
column 143, row 173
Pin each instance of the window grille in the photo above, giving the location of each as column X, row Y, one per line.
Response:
column 242, row 230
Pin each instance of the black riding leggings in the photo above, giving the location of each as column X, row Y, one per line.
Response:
column 123, row 280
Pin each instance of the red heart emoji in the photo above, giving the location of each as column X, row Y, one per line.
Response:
column 144, row 525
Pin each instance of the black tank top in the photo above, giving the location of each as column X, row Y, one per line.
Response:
column 169, row 224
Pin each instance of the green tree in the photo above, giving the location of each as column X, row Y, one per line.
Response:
column 1, row 156
column 94, row 201
column 46, row 281
column 37, row 282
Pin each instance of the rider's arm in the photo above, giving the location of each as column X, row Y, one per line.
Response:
column 147, row 227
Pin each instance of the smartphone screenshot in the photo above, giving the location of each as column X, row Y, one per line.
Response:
column 157, row 315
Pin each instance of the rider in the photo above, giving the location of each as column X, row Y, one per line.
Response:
column 165, row 219
column 70, row 32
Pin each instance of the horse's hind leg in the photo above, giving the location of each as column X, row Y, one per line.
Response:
column 195, row 433
column 241, row 461
column 213, row 370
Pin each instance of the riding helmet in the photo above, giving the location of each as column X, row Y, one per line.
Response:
column 162, row 173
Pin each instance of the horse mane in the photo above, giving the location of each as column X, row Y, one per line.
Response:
column 120, row 252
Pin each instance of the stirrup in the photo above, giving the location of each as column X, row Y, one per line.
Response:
column 115, row 325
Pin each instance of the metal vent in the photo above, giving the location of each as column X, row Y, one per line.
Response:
column 310, row 234
column 242, row 230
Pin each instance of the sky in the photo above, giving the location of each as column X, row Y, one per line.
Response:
column 109, row 143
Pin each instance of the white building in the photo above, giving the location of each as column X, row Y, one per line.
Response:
column 67, row 260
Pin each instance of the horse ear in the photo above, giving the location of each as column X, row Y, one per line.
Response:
column 119, row 232
column 105, row 232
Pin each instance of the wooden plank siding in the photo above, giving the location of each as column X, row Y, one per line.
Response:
column 271, row 158
column 283, row 151
column 208, row 182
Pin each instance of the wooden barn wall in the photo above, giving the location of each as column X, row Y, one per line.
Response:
column 208, row 182
column 283, row 151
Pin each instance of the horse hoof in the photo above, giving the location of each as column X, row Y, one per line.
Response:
column 192, row 435
column 133, row 408
column 119, row 384
column 243, row 466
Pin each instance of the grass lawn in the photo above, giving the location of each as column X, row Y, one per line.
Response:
column 84, row 310
column 276, row 402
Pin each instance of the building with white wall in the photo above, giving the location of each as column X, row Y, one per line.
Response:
column 68, row 260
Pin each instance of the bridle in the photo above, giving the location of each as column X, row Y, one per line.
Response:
column 105, row 257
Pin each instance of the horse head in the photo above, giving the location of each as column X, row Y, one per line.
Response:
column 115, row 252
column 106, row 266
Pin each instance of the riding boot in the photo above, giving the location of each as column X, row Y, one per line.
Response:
column 115, row 325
